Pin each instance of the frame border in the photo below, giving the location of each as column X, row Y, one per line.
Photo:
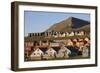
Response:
column 14, row 35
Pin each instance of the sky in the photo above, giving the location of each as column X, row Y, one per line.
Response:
column 36, row 21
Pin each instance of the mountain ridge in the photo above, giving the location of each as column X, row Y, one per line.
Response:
column 69, row 24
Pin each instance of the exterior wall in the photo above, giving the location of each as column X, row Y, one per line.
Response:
column 51, row 52
column 63, row 53
column 85, row 52
column 54, row 44
column 36, row 54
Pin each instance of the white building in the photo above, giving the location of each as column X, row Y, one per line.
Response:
column 51, row 52
column 55, row 35
column 67, row 34
column 26, row 34
column 36, row 54
column 80, row 33
column 63, row 52
column 63, row 35
column 71, row 34
column 85, row 52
